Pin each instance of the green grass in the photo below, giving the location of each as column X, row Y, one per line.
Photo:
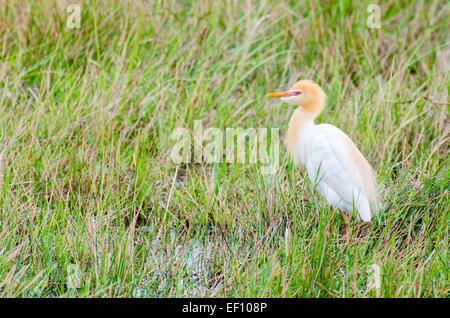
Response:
column 85, row 173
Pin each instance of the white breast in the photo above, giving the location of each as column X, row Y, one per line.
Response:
column 324, row 151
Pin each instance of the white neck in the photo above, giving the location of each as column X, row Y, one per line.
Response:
column 300, row 121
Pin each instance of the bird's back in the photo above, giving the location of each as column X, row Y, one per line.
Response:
column 338, row 168
column 365, row 171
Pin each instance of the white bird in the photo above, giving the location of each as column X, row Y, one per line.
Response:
column 334, row 165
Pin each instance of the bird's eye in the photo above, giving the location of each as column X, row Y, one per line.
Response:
column 298, row 92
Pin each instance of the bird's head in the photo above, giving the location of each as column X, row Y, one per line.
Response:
column 305, row 94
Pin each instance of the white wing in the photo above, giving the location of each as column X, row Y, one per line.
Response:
column 333, row 171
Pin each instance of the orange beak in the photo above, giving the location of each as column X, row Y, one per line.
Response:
column 282, row 94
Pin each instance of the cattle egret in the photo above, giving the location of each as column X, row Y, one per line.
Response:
column 334, row 165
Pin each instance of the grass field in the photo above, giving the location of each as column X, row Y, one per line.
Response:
column 93, row 206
